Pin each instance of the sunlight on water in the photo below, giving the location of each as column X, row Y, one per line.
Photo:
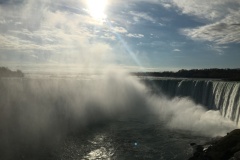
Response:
column 101, row 152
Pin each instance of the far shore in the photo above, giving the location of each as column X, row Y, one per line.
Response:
column 213, row 74
column 5, row 72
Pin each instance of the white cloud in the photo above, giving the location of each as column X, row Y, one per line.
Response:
column 177, row 44
column 167, row 5
column 142, row 16
column 44, row 27
column 135, row 35
column 224, row 31
column 223, row 20
column 4, row 21
column 176, row 50
column 203, row 9
column 217, row 49
column 119, row 30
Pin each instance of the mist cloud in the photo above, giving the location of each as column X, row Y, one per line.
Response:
column 40, row 112
column 183, row 114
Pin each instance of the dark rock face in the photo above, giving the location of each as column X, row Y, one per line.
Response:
column 226, row 148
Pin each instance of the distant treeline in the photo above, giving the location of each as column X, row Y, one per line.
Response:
column 5, row 72
column 224, row 74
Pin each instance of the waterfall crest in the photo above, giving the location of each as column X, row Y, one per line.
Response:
column 213, row 94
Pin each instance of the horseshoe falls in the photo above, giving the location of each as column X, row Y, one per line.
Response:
column 212, row 94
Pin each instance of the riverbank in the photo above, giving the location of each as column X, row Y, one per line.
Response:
column 224, row 148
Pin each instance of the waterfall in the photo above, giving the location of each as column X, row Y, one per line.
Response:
column 213, row 94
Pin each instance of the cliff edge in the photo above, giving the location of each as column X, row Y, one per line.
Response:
column 225, row 148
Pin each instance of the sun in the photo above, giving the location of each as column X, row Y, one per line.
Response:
column 96, row 8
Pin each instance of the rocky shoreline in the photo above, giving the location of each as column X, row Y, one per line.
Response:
column 221, row 148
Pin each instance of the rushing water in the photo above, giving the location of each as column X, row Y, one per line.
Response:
column 114, row 116
column 131, row 138
column 213, row 94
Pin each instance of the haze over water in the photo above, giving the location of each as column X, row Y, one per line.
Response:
column 114, row 116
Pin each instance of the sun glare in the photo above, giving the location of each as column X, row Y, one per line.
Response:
column 96, row 9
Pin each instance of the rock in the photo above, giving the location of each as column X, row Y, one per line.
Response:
column 225, row 148
column 197, row 151
column 237, row 155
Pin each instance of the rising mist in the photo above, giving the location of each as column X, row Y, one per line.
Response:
column 40, row 113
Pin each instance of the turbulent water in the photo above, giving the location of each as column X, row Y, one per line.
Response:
column 112, row 116
column 216, row 95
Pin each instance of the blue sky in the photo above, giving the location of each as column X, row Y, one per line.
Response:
column 141, row 35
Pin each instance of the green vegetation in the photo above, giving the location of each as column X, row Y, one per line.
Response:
column 224, row 74
column 5, row 72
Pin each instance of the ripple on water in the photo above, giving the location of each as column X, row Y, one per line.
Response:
column 118, row 140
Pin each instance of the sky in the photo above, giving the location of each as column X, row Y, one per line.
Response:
column 137, row 35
